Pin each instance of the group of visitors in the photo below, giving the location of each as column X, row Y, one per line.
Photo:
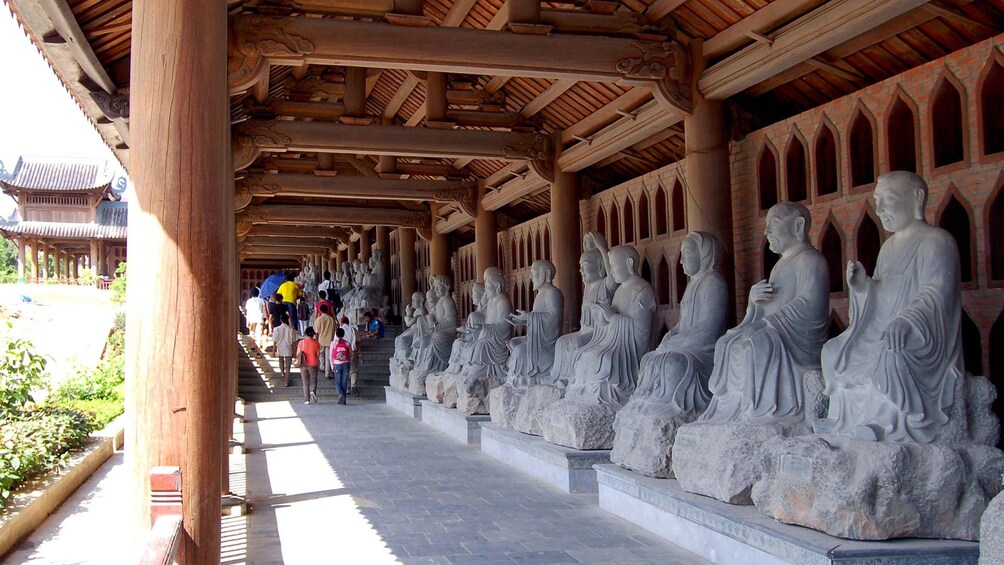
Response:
column 320, row 337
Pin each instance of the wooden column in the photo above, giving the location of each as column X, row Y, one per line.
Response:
column 439, row 248
column 353, row 250
column 486, row 240
column 383, row 244
column 435, row 98
column 177, row 350
column 355, row 93
column 92, row 261
column 366, row 244
column 76, row 267
column 387, row 164
column 34, row 260
column 406, row 256
column 45, row 260
column 708, row 190
column 566, row 240
column 20, row 259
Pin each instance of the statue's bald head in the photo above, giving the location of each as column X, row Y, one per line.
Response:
column 907, row 185
column 494, row 279
column 793, row 211
column 545, row 267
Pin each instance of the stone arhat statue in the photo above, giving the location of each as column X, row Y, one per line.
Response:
column 401, row 363
column 531, row 356
column 435, row 353
column 490, row 351
column 441, row 387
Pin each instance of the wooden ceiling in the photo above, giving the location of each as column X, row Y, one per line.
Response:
column 582, row 109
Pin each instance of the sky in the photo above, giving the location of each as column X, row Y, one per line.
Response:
column 38, row 117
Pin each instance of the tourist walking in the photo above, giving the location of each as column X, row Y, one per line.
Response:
column 341, row 360
column 275, row 311
column 325, row 327
column 290, row 292
column 302, row 314
column 357, row 352
column 310, row 349
column 283, row 337
column 322, row 298
column 255, row 311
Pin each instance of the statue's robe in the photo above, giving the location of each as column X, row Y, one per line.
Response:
column 606, row 368
column 435, row 353
column 908, row 393
column 568, row 345
column 760, row 364
column 490, row 350
column 532, row 356
column 675, row 375
column 460, row 352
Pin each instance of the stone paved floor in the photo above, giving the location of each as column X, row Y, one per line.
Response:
column 365, row 484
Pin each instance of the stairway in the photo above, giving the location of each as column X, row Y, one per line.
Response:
column 259, row 380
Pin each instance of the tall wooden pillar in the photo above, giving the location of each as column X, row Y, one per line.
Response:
column 76, row 267
column 435, row 99
column 485, row 240
column 45, row 260
column 566, row 240
column 387, row 164
column 353, row 250
column 34, row 260
column 366, row 244
column 20, row 259
column 355, row 93
column 439, row 248
column 383, row 244
column 92, row 261
column 177, row 350
column 406, row 257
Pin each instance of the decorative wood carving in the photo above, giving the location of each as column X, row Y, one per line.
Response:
column 667, row 64
column 244, row 151
column 113, row 106
column 531, row 147
column 257, row 40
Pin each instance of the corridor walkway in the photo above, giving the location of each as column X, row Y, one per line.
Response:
column 364, row 484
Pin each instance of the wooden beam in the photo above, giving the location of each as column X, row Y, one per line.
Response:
column 326, row 41
column 626, row 102
column 824, row 28
column 374, row 188
column 292, row 241
column 402, row 94
column 275, row 107
column 307, row 215
column 513, row 190
column 66, row 25
column 647, row 121
column 456, row 221
column 552, row 93
column 763, row 20
column 269, row 230
column 256, row 136
column 661, row 8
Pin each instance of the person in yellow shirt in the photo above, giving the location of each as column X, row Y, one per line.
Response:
column 290, row 292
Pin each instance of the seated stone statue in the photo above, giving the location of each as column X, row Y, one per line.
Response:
column 490, row 349
column 765, row 380
column 441, row 387
column 374, row 293
column 606, row 368
column 531, row 356
column 401, row 362
column 437, row 343
column 760, row 364
column 672, row 382
column 598, row 288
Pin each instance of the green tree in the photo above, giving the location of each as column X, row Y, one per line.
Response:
column 8, row 261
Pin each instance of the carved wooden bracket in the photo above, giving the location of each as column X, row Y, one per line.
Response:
column 113, row 106
column 254, row 41
column 532, row 147
column 255, row 185
column 244, row 151
column 666, row 63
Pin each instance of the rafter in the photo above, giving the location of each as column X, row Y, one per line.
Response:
column 648, row 120
column 762, row 20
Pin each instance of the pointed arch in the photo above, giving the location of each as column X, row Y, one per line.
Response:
column 662, row 281
column 767, row 259
column 867, row 239
column 767, row 176
column 680, row 281
column 615, row 226
column 513, row 254
column 994, row 226
column 827, row 171
column 646, row 271
column 835, row 326
column 795, row 168
column 601, row 222
column 679, row 208
column 990, row 92
column 643, row 215
column 500, row 249
column 628, row 212
column 955, row 217
column 661, row 211
column 901, row 134
column 948, row 119
column 547, row 243
column 831, row 245
column 972, row 345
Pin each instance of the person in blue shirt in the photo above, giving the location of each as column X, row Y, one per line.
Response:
column 374, row 326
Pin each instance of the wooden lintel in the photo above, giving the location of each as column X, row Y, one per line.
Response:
column 307, row 215
column 764, row 19
column 821, row 29
column 269, row 230
column 454, row 222
column 648, row 120
column 342, row 187
column 513, row 190
column 291, row 241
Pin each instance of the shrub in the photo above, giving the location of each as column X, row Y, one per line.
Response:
column 99, row 383
column 118, row 285
column 86, row 278
column 22, row 370
column 36, row 441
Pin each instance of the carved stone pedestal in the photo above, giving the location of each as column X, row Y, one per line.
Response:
column 869, row 490
column 472, row 393
column 722, row 460
column 536, row 399
column 579, row 425
column 570, row 470
column 644, row 439
column 461, row 427
column 404, row 401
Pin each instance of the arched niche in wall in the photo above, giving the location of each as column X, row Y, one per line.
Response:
column 831, row 245
column 646, row 271
column 547, row 243
column 991, row 93
column 868, row 240
column 615, row 227
column 767, row 259
column 501, row 255
column 835, row 326
column 954, row 217
column 513, row 254
column 827, row 171
column 994, row 226
column 628, row 211
column 643, row 215
column 972, row 346
column 948, row 119
column 796, row 169
column 766, row 174
column 601, row 223
column 901, row 135
column 661, row 212
column 861, row 143
column 681, row 280
column 662, row 281
column 679, row 208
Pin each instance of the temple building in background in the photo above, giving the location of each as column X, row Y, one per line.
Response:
column 69, row 219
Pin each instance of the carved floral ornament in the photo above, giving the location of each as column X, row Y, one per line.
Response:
column 666, row 63
column 254, row 41
column 531, row 147
column 254, row 185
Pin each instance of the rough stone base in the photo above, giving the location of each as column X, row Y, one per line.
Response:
column 403, row 402
column 416, row 382
column 503, row 402
column 869, row 490
column 722, row 460
column 570, row 470
column 399, row 375
column 472, row 393
column 536, row 399
column 992, row 532
column 644, row 440
column 442, row 388
column 723, row 533
column 465, row 429
column 579, row 425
